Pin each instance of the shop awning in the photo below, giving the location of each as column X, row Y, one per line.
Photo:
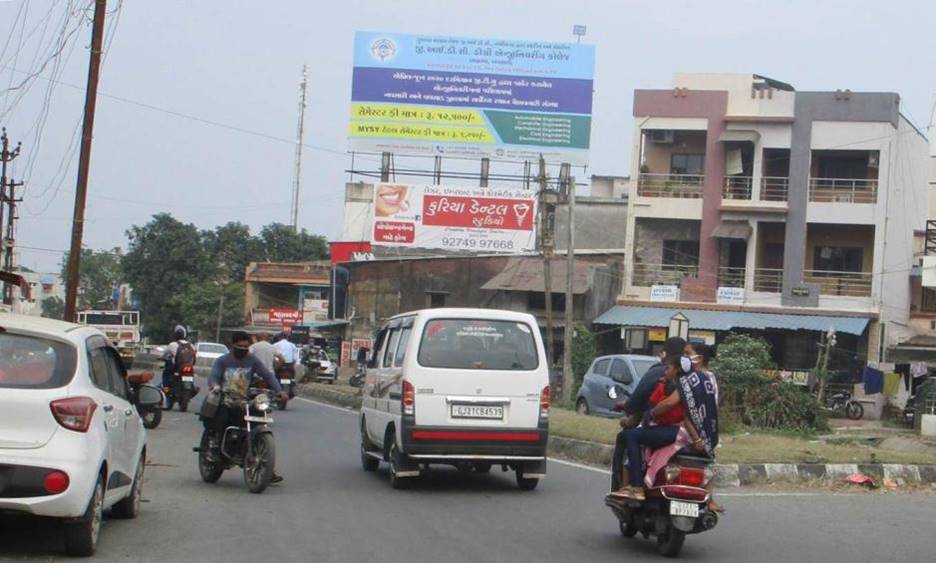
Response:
column 739, row 135
column 624, row 315
column 733, row 229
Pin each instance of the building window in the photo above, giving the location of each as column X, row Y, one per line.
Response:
column 679, row 254
column 838, row 259
column 435, row 299
column 687, row 164
column 536, row 301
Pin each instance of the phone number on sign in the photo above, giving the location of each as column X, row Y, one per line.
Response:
column 468, row 242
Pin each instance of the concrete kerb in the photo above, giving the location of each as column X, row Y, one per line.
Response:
column 726, row 475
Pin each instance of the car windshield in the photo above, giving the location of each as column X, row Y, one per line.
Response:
column 478, row 344
column 642, row 366
column 212, row 348
column 29, row 362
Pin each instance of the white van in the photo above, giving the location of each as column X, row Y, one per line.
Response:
column 465, row 387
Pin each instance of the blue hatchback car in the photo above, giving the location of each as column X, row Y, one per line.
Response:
column 622, row 371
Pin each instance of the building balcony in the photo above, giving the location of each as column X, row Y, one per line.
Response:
column 768, row 280
column 682, row 186
column 774, row 188
column 737, row 188
column 646, row 275
column 731, row 277
column 840, row 284
column 842, row 190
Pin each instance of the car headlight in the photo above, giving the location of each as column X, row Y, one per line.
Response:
column 262, row 403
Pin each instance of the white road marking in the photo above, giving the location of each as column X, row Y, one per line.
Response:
column 579, row 466
column 333, row 407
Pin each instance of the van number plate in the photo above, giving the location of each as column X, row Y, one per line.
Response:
column 477, row 411
column 689, row 509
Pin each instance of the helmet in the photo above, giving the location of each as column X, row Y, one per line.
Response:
column 179, row 333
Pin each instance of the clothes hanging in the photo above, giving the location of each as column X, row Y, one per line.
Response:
column 891, row 383
column 904, row 371
column 919, row 369
column 873, row 381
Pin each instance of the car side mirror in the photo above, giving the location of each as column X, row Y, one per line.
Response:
column 149, row 396
column 612, row 393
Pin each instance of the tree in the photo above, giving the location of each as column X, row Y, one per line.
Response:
column 100, row 271
column 233, row 247
column 281, row 244
column 53, row 308
column 166, row 258
column 583, row 354
column 199, row 306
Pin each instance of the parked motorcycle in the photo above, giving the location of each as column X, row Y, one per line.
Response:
column 248, row 445
column 152, row 414
column 841, row 404
column 359, row 377
column 182, row 389
column 676, row 505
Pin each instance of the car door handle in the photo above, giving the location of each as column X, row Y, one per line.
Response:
column 108, row 408
column 128, row 412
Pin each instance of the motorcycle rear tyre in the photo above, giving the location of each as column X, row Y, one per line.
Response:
column 670, row 543
column 152, row 418
column 854, row 410
column 627, row 530
column 210, row 471
column 184, row 400
column 259, row 479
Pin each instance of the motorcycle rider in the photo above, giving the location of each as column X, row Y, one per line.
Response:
column 232, row 374
column 179, row 342
column 265, row 351
column 289, row 352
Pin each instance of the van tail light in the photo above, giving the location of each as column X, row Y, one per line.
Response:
column 55, row 482
column 408, row 398
column 188, row 370
column 74, row 413
column 544, row 403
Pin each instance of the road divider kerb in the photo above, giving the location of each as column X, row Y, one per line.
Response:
column 595, row 456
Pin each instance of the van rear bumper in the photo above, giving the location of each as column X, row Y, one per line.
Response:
column 509, row 444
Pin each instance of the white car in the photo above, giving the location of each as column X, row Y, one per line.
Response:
column 466, row 387
column 210, row 351
column 72, row 443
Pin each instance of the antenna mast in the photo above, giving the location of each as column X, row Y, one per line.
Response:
column 298, row 164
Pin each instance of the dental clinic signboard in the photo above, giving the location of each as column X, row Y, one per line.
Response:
column 454, row 218
column 504, row 99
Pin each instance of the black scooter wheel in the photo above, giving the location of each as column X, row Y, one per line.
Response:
column 152, row 418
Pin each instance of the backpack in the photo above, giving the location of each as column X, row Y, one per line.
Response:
column 184, row 356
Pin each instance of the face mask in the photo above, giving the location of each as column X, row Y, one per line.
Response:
column 240, row 353
column 686, row 364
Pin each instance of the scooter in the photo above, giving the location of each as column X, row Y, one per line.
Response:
column 150, row 414
column 182, row 389
column 248, row 445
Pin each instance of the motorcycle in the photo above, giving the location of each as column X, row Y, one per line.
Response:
column 182, row 389
column 676, row 505
column 248, row 445
column 151, row 415
column 842, row 404
column 286, row 377
column 359, row 377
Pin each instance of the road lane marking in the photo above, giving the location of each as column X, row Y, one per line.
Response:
column 333, row 407
column 580, row 466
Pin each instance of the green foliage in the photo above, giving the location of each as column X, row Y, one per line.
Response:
column 279, row 243
column 583, row 354
column 99, row 272
column 233, row 247
column 199, row 306
column 53, row 308
column 752, row 398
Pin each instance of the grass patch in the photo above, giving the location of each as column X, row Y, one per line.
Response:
column 748, row 447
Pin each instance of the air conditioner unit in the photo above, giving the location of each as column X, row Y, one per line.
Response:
column 662, row 136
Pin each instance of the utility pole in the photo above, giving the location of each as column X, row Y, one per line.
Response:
column 220, row 311
column 84, row 160
column 547, row 247
column 299, row 131
column 567, row 375
column 11, row 201
column 6, row 155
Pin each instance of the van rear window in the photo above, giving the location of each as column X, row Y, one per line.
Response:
column 478, row 344
column 28, row 362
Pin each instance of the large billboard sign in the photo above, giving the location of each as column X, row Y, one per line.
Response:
column 512, row 100
column 454, row 218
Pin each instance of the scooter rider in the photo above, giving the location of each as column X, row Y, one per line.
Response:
column 289, row 353
column 231, row 374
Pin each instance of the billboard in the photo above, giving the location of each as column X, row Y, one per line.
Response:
column 454, row 218
column 511, row 100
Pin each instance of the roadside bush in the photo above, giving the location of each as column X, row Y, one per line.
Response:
column 583, row 354
column 752, row 398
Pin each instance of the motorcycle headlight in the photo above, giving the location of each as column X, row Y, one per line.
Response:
column 262, row 403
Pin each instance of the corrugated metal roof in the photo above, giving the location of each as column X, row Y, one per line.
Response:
column 526, row 274
column 623, row 315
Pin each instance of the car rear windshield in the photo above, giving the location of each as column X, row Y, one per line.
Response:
column 478, row 344
column 213, row 348
column 29, row 362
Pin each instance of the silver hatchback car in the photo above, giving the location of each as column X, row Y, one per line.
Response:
column 621, row 371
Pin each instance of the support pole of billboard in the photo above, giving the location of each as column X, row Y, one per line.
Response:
column 568, row 378
column 385, row 167
column 546, row 248
column 437, row 170
column 485, row 172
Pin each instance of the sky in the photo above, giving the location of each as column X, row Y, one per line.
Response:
column 198, row 105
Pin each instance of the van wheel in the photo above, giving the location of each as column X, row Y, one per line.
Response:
column 483, row 467
column 368, row 463
column 581, row 406
column 81, row 537
column 396, row 481
column 526, row 483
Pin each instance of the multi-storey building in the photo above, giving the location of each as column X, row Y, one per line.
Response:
column 755, row 207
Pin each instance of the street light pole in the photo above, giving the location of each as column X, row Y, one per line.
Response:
column 84, row 160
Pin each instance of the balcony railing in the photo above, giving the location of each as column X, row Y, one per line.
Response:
column 774, row 188
column 842, row 190
column 737, row 187
column 844, row 284
column 646, row 275
column 768, row 280
column 687, row 186
column 731, row 277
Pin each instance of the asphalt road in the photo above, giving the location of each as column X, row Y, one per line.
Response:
column 328, row 509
